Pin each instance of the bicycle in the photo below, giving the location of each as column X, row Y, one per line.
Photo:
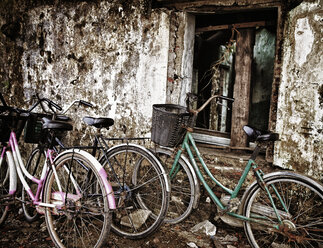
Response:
column 72, row 192
column 140, row 183
column 279, row 209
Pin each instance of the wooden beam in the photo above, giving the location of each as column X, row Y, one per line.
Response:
column 213, row 6
column 229, row 26
column 241, row 92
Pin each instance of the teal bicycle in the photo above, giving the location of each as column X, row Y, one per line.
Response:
column 279, row 209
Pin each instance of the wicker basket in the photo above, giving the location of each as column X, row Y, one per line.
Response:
column 33, row 132
column 168, row 121
column 10, row 122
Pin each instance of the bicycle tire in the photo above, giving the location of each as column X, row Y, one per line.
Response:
column 4, row 190
column 34, row 165
column 140, row 190
column 303, row 224
column 84, row 219
column 184, row 189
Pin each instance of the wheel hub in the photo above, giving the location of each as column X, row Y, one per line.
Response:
column 123, row 194
column 289, row 226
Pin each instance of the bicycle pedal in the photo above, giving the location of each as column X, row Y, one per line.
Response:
column 232, row 205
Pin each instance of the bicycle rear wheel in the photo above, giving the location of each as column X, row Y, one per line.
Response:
column 184, row 190
column 4, row 190
column 301, row 225
column 140, row 187
column 34, row 166
column 82, row 217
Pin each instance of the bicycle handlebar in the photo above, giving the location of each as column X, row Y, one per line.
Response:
column 5, row 107
column 80, row 102
column 196, row 111
column 51, row 104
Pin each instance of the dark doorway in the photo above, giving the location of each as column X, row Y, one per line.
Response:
column 223, row 43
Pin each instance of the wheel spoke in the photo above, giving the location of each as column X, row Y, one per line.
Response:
column 302, row 226
column 84, row 218
column 140, row 190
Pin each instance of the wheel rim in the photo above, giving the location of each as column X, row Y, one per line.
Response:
column 182, row 191
column 82, row 220
column 301, row 227
column 140, row 204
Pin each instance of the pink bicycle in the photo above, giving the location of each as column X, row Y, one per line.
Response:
column 73, row 192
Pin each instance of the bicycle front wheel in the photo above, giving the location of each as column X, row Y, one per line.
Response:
column 81, row 217
column 140, row 189
column 184, row 190
column 299, row 203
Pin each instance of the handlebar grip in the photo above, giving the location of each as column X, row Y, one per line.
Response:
column 51, row 103
column 88, row 104
column 226, row 98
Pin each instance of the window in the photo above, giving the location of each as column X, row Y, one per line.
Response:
column 234, row 56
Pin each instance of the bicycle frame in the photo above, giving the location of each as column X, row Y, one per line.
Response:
column 101, row 146
column 16, row 166
column 189, row 142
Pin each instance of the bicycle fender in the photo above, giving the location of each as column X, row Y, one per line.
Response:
column 101, row 171
column 280, row 174
column 169, row 151
column 12, row 173
column 165, row 175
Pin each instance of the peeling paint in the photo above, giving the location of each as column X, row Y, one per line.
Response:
column 300, row 114
column 304, row 39
column 106, row 53
column 116, row 55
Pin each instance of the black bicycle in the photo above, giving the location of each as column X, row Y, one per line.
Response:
column 139, row 181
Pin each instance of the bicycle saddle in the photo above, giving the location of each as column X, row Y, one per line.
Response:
column 257, row 135
column 55, row 124
column 98, row 122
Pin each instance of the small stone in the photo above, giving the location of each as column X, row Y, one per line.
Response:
column 207, row 226
column 138, row 218
column 191, row 244
column 230, row 238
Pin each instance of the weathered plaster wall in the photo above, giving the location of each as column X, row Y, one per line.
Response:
column 180, row 59
column 113, row 54
column 125, row 58
column 300, row 104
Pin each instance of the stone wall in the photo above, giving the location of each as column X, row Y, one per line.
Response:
column 300, row 102
column 113, row 54
column 124, row 57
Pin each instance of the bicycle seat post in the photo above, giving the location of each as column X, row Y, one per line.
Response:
column 101, row 122
column 96, row 142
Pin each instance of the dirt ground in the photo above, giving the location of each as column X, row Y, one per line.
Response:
column 17, row 233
